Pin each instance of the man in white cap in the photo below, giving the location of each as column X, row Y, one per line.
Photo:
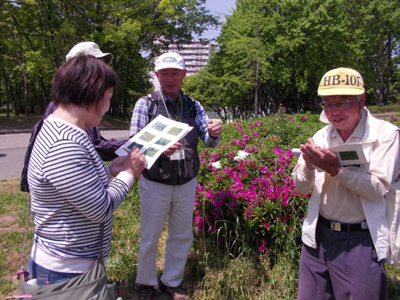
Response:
column 88, row 48
column 168, row 188
column 105, row 148
column 345, row 233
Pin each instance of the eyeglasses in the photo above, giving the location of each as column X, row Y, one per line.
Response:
column 342, row 104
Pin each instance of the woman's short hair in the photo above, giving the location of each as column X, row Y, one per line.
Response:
column 82, row 81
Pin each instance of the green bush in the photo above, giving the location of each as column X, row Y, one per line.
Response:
column 250, row 205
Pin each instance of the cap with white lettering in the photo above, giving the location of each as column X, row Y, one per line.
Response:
column 341, row 81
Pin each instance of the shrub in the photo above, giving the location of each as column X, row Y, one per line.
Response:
column 393, row 119
column 251, row 202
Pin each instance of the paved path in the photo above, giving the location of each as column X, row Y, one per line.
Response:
column 13, row 147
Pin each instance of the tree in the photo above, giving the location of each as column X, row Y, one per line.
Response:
column 295, row 42
column 39, row 33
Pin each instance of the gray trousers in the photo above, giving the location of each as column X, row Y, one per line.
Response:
column 344, row 266
column 159, row 202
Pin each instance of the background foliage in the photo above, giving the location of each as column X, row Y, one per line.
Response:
column 35, row 36
column 274, row 52
column 271, row 54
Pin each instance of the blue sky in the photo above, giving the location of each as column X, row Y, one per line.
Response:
column 219, row 8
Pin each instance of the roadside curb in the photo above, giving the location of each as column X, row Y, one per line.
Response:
column 16, row 131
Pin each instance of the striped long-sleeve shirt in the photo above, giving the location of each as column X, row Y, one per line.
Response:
column 70, row 192
column 105, row 148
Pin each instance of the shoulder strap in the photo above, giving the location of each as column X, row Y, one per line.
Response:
column 152, row 104
column 24, row 175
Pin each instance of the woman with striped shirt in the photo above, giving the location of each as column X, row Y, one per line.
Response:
column 71, row 190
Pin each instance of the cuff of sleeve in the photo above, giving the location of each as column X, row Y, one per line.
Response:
column 344, row 175
column 109, row 176
column 307, row 173
column 126, row 177
column 214, row 141
column 214, row 138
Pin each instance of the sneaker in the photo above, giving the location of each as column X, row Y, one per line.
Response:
column 176, row 293
column 145, row 292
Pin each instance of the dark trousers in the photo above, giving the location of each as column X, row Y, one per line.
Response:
column 344, row 266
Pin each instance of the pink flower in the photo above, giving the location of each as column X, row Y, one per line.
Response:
column 261, row 246
column 209, row 194
column 278, row 150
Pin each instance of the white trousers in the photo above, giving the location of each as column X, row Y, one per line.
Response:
column 157, row 202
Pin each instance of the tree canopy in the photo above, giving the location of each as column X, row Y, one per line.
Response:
column 35, row 36
column 274, row 52
column 271, row 53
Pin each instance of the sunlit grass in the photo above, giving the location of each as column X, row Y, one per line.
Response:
column 212, row 271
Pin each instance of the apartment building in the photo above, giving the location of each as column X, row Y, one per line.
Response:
column 195, row 55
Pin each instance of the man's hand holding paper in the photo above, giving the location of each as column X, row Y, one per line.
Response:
column 171, row 150
column 324, row 159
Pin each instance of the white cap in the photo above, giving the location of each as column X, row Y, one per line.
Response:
column 170, row 60
column 88, row 48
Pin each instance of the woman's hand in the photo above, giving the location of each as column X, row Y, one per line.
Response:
column 133, row 163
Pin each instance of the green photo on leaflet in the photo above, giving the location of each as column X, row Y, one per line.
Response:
column 162, row 142
column 159, row 126
column 150, row 152
column 175, row 131
column 147, row 137
column 137, row 145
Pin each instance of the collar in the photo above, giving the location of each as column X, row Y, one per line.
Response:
column 164, row 95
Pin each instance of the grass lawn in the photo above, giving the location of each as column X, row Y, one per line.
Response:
column 208, row 275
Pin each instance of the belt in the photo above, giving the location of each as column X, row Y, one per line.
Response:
column 337, row 226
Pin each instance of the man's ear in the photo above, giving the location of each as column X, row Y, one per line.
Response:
column 362, row 100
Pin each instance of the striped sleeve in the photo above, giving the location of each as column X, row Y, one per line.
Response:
column 72, row 173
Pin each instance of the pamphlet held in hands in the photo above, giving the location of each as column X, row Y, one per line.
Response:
column 159, row 135
column 348, row 154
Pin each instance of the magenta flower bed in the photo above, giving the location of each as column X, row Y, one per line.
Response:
column 249, row 202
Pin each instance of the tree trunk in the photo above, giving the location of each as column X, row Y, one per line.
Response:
column 7, row 93
column 25, row 92
column 378, row 96
column 388, row 69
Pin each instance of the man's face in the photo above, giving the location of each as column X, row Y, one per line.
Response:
column 343, row 111
column 171, row 81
